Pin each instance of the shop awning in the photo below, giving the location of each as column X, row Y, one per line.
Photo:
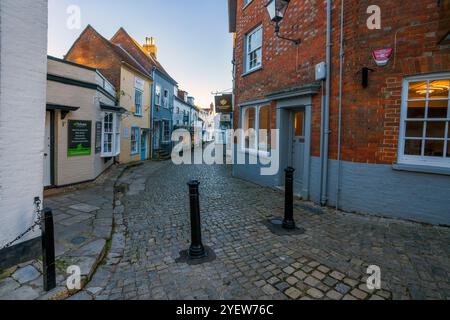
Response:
column 107, row 107
column 64, row 109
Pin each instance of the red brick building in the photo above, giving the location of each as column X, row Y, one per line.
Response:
column 387, row 150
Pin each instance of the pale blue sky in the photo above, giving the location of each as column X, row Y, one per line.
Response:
column 192, row 36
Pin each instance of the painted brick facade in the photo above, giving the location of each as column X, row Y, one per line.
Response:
column 371, row 116
column 23, row 24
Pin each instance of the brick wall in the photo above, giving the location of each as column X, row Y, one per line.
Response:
column 371, row 116
column 23, row 24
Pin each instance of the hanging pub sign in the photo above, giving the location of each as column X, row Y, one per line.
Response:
column 224, row 103
column 382, row 56
column 79, row 138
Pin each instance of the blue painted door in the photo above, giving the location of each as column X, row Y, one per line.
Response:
column 144, row 145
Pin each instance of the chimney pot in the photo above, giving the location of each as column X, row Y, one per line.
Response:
column 150, row 46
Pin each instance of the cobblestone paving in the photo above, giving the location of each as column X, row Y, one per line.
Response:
column 329, row 261
column 83, row 223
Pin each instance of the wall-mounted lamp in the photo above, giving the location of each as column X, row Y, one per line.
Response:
column 277, row 10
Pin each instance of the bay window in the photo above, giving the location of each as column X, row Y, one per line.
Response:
column 425, row 127
column 110, row 135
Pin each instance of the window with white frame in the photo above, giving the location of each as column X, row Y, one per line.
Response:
column 166, row 98
column 253, row 49
column 135, row 133
column 166, row 130
column 256, row 123
column 138, row 102
column 425, row 127
column 110, row 135
column 247, row 2
column 158, row 95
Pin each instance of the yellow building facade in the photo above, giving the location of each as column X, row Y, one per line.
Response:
column 135, row 97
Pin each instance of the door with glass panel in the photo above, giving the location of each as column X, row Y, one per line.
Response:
column 298, row 148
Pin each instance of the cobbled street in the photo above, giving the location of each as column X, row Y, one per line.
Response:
column 328, row 261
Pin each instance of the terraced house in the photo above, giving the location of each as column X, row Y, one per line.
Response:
column 359, row 91
column 133, row 82
column 163, row 91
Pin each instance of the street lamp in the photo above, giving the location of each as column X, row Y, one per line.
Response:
column 277, row 10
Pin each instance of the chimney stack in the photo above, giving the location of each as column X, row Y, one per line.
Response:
column 150, row 46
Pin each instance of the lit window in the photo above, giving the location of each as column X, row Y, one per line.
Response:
column 135, row 132
column 110, row 135
column 425, row 131
column 253, row 58
column 138, row 102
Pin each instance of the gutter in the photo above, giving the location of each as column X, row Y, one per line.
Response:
column 325, row 132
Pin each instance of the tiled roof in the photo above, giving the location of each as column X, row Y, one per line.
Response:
column 142, row 52
column 121, row 53
column 128, row 59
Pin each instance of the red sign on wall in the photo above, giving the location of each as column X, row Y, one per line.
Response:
column 382, row 56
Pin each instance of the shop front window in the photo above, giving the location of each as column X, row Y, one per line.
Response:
column 257, row 128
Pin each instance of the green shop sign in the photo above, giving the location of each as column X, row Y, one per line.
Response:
column 80, row 136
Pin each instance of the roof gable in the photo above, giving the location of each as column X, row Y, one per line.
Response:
column 116, row 50
column 127, row 42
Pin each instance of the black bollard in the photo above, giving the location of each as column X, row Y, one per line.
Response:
column 288, row 222
column 48, row 251
column 197, row 250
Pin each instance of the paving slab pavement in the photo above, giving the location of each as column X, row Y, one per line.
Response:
column 83, row 225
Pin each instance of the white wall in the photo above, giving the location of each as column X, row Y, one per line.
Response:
column 23, row 68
